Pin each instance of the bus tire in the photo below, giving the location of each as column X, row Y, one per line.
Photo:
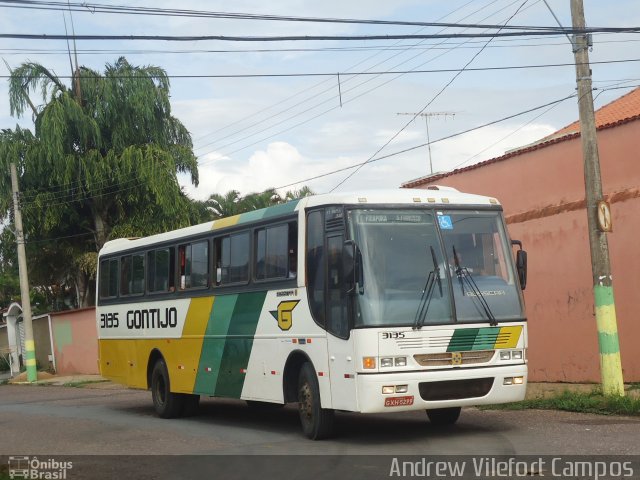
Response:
column 317, row 422
column 166, row 403
column 442, row 417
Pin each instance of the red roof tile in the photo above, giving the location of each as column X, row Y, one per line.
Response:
column 623, row 108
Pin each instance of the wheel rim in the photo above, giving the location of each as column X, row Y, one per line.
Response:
column 160, row 390
column 305, row 402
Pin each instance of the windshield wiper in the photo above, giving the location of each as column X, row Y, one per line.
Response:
column 427, row 293
column 464, row 275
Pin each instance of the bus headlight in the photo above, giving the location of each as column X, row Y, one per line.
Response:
column 516, row 354
column 386, row 362
column 401, row 361
column 505, row 355
column 513, row 381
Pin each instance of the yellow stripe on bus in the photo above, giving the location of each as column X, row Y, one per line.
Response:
column 126, row 360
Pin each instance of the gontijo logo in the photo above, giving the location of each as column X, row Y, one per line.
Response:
column 284, row 313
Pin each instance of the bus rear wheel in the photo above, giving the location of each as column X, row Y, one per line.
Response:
column 166, row 403
column 317, row 422
column 441, row 417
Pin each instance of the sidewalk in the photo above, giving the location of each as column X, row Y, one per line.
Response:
column 83, row 380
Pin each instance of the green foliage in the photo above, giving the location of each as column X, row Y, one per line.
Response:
column 592, row 402
column 232, row 203
column 102, row 163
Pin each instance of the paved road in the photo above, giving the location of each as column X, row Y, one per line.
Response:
column 53, row 420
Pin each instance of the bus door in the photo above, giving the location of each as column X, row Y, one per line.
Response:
column 342, row 361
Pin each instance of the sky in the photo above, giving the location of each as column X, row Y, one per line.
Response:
column 254, row 133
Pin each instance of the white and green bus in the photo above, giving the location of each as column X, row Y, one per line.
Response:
column 378, row 301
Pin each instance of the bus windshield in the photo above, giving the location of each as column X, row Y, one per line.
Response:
column 410, row 271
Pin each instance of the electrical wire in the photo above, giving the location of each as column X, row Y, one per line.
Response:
column 306, row 38
column 433, row 99
column 334, row 107
column 332, row 88
column 422, row 145
column 122, row 9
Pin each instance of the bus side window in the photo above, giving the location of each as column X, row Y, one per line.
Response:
column 337, row 320
column 293, row 250
column 194, row 265
column 161, row 270
column 132, row 275
column 315, row 265
column 232, row 259
column 109, row 278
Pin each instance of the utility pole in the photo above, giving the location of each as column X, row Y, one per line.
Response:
column 426, row 116
column 599, row 216
column 29, row 345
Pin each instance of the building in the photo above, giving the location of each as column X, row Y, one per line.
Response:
column 541, row 187
column 65, row 342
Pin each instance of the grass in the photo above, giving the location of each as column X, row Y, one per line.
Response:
column 589, row 402
column 82, row 383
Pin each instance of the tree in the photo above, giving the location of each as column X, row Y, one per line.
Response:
column 102, row 161
column 232, row 203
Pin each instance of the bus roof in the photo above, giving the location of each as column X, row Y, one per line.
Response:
column 434, row 195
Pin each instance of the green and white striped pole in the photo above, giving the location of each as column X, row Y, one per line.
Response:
column 599, row 216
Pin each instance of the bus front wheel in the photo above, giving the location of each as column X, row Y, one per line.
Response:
column 166, row 403
column 317, row 422
column 441, row 417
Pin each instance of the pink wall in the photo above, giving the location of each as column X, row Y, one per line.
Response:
column 542, row 192
column 75, row 341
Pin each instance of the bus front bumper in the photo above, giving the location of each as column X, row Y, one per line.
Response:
column 419, row 390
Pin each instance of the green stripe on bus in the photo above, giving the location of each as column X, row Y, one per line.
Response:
column 239, row 343
column 486, row 339
column 269, row 212
column 462, row 339
column 214, row 343
column 476, row 339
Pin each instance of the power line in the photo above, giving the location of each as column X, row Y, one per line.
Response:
column 440, row 92
column 342, row 74
column 508, row 43
column 415, row 147
column 349, row 90
column 469, row 15
column 376, row 159
column 80, row 183
column 121, row 9
column 448, row 137
column 294, row 38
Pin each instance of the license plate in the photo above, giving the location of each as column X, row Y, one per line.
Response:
column 398, row 401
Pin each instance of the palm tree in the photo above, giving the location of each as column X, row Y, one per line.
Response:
column 225, row 205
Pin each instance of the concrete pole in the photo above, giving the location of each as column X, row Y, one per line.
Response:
column 29, row 345
column 610, row 363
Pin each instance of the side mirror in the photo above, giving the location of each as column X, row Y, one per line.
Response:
column 349, row 266
column 521, row 264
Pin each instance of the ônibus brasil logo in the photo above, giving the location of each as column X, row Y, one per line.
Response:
column 33, row 468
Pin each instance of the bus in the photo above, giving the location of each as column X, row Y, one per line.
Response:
column 375, row 301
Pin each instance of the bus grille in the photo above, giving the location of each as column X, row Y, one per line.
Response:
column 454, row 358
column 455, row 389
